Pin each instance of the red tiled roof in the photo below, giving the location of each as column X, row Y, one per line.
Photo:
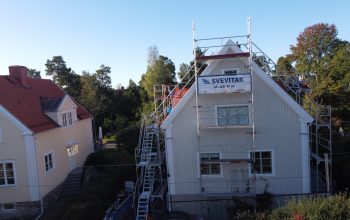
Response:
column 25, row 103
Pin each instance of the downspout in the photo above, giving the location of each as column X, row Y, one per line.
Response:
column 37, row 179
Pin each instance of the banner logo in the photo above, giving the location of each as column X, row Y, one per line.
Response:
column 205, row 81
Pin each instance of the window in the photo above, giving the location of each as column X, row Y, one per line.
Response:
column 7, row 173
column 64, row 119
column 73, row 150
column 231, row 71
column 207, row 167
column 67, row 119
column 70, row 120
column 48, row 162
column 262, row 162
column 233, row 115
column 9, row 206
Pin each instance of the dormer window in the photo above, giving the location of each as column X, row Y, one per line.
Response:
column 62, row 110
column 70, row 120
column 67, row 119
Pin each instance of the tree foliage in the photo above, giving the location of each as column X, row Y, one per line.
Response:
column 314, row 44
column 34, row 73
column 183, row 69
column 322, row 59
column 284, row 66
column 63, row 76
column 162, row 72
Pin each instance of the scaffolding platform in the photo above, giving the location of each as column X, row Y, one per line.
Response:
column 223, row 56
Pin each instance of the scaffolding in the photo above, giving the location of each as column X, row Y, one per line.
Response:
column 151, row 185
column 239, row 182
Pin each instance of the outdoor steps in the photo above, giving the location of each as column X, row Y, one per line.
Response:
column 322, row 187
column 72, row 184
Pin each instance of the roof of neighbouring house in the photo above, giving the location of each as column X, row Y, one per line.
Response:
column 29, row 103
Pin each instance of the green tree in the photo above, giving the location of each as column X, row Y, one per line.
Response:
column 89, row 97
column 162, row 72
column 63, row 76
column 284, row 66
column 34, row 73
column 97, row 95
column 103, row 76
column 184, row 68
column 323, row 59
column 190, row 70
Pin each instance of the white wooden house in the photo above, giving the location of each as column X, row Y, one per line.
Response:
column 239, row 133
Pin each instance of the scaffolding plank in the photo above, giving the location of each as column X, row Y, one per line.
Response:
column 228, row 161
column 223, row 56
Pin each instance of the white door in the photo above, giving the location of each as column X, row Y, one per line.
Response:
column 72, row 152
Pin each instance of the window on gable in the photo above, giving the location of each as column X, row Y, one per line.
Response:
column 231, row 71
column 233, row 115
column 262, row 162
column 49, row 162
column 7, row 173
column 67, row 119
column 207, row 167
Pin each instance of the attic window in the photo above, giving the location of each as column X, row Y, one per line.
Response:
column 231, row 71
column 67, row 119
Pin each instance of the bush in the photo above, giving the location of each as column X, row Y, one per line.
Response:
column 333, row 207
column 317, row 207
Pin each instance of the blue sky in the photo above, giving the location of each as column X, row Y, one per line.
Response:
column 118, row 33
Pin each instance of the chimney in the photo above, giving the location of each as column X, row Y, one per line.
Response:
column 20, row 74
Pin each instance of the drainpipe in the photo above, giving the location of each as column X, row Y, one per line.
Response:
column 37, row 178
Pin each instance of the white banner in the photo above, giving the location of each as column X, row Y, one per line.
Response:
column 224, row 84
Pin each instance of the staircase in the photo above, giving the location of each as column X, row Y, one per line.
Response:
column 148, row 154
column 72, row 185
column 318, row 185
column 144, row 198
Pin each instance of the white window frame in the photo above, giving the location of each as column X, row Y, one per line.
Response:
column 14, row 173
column 210, row 175
column 272, row 163
column 53, row 162
column 69, row 121
column 236, row 69
column 2, row 207
column 233, row 105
